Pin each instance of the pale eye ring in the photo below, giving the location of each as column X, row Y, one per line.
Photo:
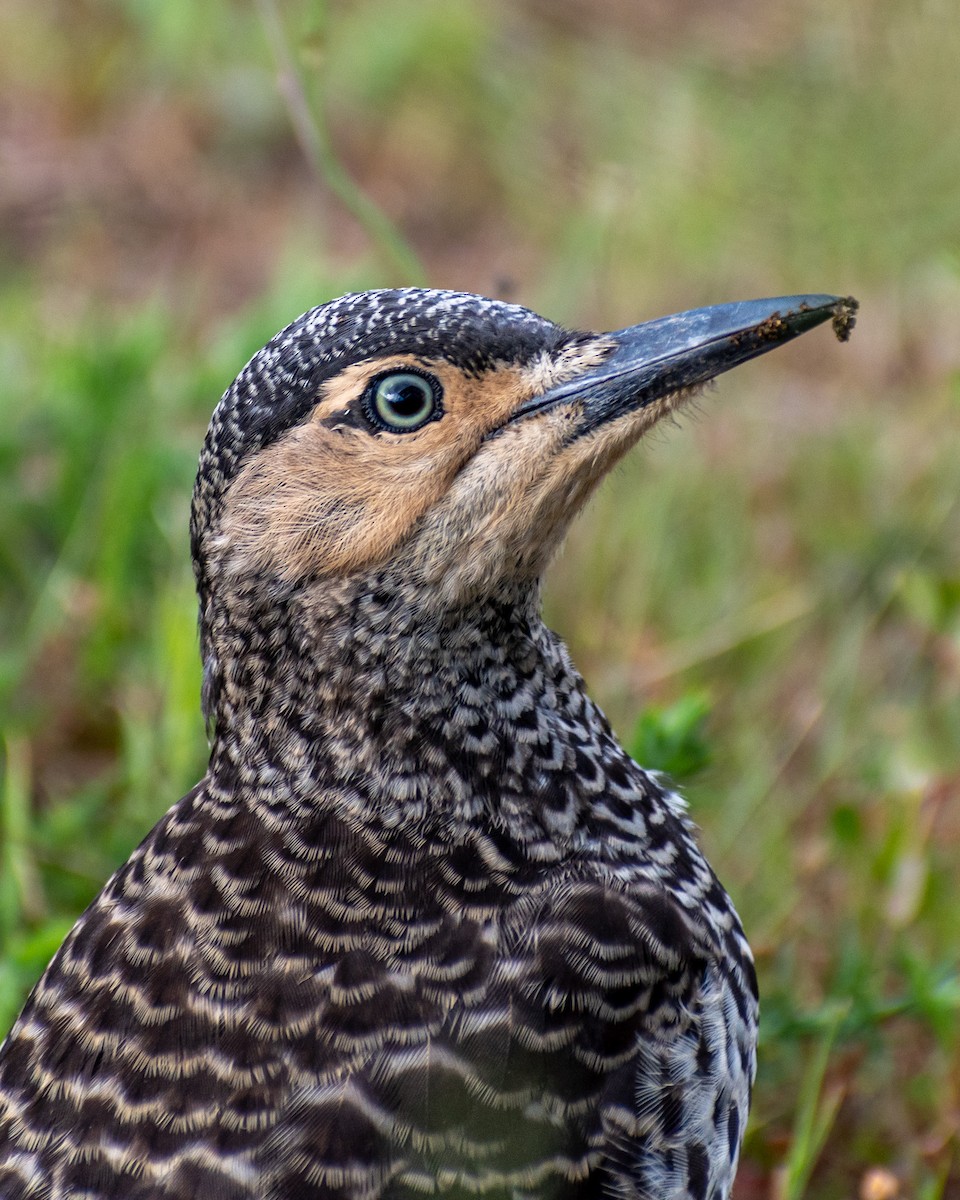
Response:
column 403, row 401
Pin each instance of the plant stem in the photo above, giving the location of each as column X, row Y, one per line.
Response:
column 314, row 140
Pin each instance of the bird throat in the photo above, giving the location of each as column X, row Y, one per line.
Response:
column 360, row 697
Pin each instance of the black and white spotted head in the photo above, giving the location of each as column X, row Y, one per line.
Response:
column 448, row 435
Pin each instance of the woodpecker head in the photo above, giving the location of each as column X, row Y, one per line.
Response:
column 445, row 436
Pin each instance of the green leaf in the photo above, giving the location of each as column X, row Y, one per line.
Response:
column 673, row 739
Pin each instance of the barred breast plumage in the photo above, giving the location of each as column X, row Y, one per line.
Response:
column 424, row 928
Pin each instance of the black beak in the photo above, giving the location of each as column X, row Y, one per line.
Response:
column 659, row 358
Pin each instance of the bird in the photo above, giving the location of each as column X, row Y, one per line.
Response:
column 424, row 928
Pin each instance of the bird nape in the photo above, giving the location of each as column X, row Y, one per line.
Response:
column 423, row 928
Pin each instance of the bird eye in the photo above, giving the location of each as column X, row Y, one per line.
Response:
column 403, row 401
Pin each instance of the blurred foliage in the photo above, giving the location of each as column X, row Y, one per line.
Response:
column 791, row 553
column 673, row 739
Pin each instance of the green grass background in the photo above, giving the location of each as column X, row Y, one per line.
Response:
column 766, row 600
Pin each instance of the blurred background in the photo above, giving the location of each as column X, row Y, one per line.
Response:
column 765, row 598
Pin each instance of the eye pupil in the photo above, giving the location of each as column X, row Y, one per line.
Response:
column 407, row 401
column 403, row 401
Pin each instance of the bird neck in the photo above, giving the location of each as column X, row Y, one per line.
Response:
column 362, row 697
